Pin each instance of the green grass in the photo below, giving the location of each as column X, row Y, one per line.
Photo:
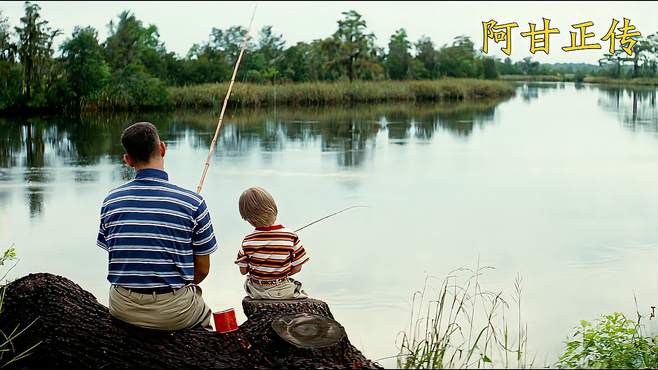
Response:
column 462, row 325
column 337, row 93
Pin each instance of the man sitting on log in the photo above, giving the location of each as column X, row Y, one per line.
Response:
column 159, row 238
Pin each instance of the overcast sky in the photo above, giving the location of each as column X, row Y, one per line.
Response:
column 182, row 24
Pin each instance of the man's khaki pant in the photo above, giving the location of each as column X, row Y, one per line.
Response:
column 184, row 308
column 289, row 289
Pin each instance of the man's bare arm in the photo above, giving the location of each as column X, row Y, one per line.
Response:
column 201, row 268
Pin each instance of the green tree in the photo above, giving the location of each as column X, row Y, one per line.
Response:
column 35, row 51
column 229, row 41
column 132, row 88
column 8, row 48
column 270, row 45
column 612, row 63
column 427, row 64
column 134, row 54
column 130, row 42
column 10, row 72
column 172, row 68
column 398, row 59
column 528, row 67
column 644, row 53
column 489, row 68
column 86, row 70
column 205, row 63
column 226, row 44
column 355, row 44
column 458, row 59
column 270, row 49
column 325, row 61
column 507, row 67
column 294, row 63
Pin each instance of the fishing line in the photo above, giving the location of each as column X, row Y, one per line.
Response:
column 326, row 217
column 213, row 144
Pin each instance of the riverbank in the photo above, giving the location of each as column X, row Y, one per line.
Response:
column 338, row 93
column 640, row 81
column 540, row 78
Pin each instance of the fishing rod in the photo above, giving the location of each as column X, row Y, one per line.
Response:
column 326, row 217
column 213, row 144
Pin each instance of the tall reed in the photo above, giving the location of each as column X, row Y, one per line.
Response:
column 337, row 93
column 462, row 325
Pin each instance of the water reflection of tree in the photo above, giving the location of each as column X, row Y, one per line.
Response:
column 24, row 143
column 462, row 121
column 11, row 142
column 351, row 131
column 74, row 140
column 35, row 163
column 635, row 107
column 38, row 146
column 84, row 141
column 349, row 139
column 529, row 91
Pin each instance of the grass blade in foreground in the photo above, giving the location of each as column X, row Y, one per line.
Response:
column 6, row 348
column 465, row 326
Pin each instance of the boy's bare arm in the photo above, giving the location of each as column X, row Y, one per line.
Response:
column 242, row 262
column 298, row 257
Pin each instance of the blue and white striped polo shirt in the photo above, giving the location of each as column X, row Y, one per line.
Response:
column 152, row 229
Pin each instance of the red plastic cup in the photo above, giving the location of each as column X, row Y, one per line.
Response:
column 225, row 321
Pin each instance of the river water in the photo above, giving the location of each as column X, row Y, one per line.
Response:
column 557, row 184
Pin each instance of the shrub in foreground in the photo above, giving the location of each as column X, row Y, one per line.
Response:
column 611, row 342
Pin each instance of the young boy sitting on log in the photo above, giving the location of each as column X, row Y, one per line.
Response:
column 271, row 253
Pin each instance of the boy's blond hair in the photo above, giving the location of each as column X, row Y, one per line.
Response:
column 258, row 207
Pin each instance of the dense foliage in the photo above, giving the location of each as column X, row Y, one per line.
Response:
column 132, row 67
column 611, row 342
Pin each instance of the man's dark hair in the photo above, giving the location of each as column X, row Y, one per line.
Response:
column 140, row 140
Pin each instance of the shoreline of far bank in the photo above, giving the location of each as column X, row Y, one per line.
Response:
column 337, row 93
column 298, row 94
column 638, row 81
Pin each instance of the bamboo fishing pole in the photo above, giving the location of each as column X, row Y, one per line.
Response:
column 213, row 143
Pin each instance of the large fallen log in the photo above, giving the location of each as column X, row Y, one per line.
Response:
column 75, row 331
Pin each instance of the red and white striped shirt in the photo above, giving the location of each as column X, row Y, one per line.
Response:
column 271, row 252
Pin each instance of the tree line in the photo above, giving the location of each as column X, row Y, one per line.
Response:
column 133, row 67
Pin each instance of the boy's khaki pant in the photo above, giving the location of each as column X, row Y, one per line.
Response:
column 289, row 289
column 184, row 308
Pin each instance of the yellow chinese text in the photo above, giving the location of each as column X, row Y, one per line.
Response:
column 498, row 32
